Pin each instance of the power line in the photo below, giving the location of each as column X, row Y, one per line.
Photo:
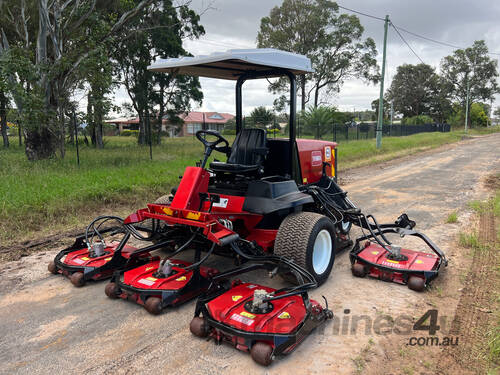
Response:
column 411, row 32
column 437, row 41
column 408, row 44
column 363, row 14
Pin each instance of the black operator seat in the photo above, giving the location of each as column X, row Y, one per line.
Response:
column 247, row 153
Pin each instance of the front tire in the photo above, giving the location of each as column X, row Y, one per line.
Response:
column 308, row 239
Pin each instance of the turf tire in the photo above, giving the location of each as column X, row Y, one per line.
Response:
column 296, row 237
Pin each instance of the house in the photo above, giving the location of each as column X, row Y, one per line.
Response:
column 194, row 121
column 130, row 123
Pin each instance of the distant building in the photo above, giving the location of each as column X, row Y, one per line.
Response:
column 193, row 121
column 125, row 123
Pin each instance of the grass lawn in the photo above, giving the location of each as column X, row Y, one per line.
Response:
column 51, row 194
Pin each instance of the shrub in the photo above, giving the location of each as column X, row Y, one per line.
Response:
column 417, row 120
column 128, row 133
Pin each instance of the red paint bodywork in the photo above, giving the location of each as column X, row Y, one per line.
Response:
column 137, row 277
column 286, row 316
column 311, row 165
column 81, row 257
column 194, row 181
column 417, row 261
column 142, row 278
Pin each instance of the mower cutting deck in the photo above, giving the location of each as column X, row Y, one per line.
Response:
column 380, row 259
column 258, row 319
column 160, row 284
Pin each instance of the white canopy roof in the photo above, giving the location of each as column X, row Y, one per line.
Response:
column 233, row 63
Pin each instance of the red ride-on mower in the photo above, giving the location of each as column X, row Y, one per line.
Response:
column 166, row 283
column 377, row 257
column 258, row 319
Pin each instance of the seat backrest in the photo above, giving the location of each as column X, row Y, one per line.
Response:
column 245, row 145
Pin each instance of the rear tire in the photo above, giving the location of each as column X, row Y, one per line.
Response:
column 198, row 327
column 358, row 270
column 153, row 305
column 416, row 283
column 262, row 353
column 52, row 268
column 77, row 279
column 308, row 239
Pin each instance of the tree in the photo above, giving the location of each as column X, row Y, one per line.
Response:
column 497, row 112
column 318, row 120
column 261, row 116
column 387, row 108
column 161, row 31
column 54, row 39
column 415, row 90
column 332, row 41
column 471, row 68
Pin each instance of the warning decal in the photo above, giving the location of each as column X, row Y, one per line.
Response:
column 242, row 319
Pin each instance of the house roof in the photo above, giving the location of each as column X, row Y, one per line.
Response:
column 123, row 120
column 233, row 63
column 210, row 117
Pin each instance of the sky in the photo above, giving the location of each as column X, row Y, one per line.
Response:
column 233, row 24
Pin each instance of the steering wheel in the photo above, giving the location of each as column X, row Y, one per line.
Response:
column 214, row 145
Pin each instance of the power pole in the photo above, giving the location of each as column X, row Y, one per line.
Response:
column 381, row 98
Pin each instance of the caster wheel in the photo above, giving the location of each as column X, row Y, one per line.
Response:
column 112, row 290
column 358, row 270
column 52, row 268
column 416, row 283
column 77, row 279
column 153, row 305
column 198, row 327
column 262, row 353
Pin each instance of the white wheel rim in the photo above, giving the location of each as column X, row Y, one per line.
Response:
column 322, row 252
column 345, row 226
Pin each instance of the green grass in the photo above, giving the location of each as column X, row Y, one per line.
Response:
column 452, row 218
column 48, row 194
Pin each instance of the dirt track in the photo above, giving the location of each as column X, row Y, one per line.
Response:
column 48, row 326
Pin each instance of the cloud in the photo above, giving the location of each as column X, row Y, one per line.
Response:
column 235, row 23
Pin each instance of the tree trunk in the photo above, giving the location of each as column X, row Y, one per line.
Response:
column 316, row 97
column 3, row 118
column 40, row 144
column 19, row 133
column 141, row 139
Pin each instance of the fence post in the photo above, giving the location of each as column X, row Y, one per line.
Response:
column 347, row 133
column 76, row 139
column 357, row 132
